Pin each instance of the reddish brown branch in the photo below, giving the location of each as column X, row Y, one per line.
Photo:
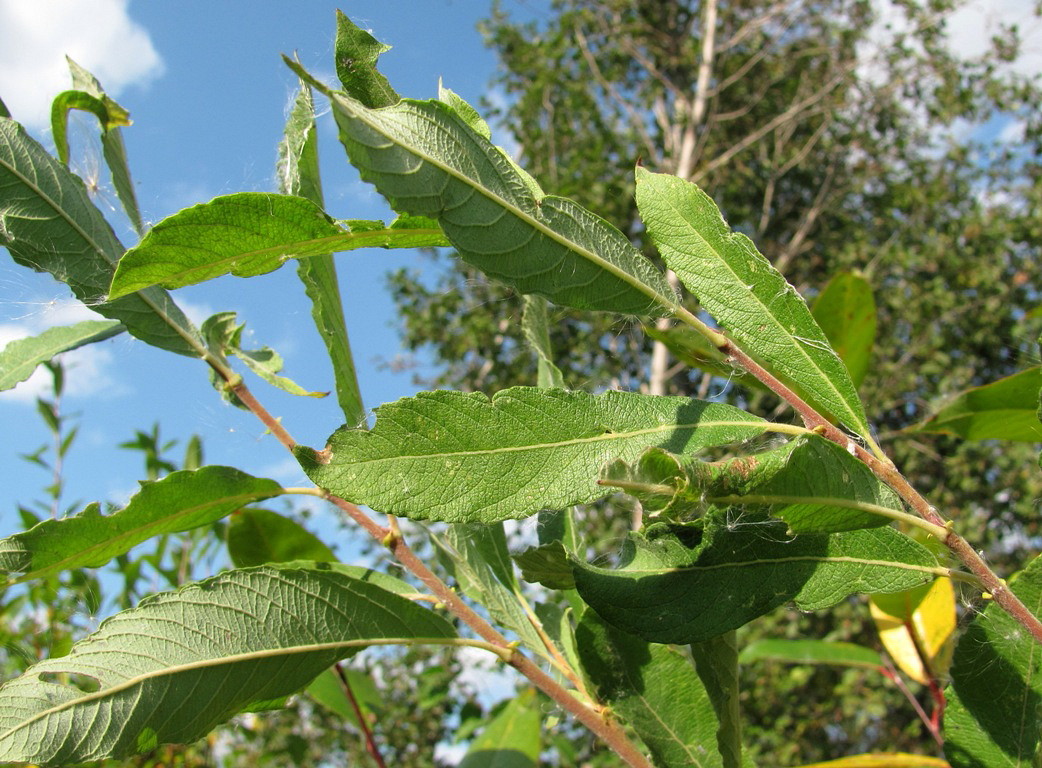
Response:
column 889, row 474
column 593, row 719
column 367, row 733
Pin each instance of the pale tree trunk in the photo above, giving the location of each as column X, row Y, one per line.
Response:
column 686, row 143
column 659, row 377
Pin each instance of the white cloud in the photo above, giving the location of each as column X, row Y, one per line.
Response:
column 973, row 25
column 36, row 35
column 87, row 367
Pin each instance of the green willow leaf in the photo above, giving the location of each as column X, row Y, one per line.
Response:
column 694, row 350
column 19, row 358
column 179, row 502
column 811, row 652
column 686, row 584
column 546, row 564
column 716, row 662
column 994, row 712
column 655, row 689
column 512, row 739
column 846, row 311
column 426, row 160
column 259, row 536
column 49, row 224
column 112, row 117
column 480, row 562
column 746, row 294
column 249, row 234
column 355, row 53
column 182, row 662
column 224, row 337
column 535, row 324
column 1006, row 409
column 464, row 458
column 328, row 690
column 811, row 483
column 298, row 174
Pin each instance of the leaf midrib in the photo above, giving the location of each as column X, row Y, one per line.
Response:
column 287, row 251
column 535, row 223
column 778, row 324
column 603, row 437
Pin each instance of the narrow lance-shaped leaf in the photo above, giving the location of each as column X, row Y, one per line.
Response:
column 179, row 502
column 827, row 652
column 655, row 689
column 19, row 358
column 298, row 173
column 686, row 584
column 1006, row 409
column 846, row 311
column 535, row 324
column 811, row 483
column 49, row 224
column 426, row 160
column 112, row 118
column 994, row 712
column 183, row 662
column 464, row 458
column 746, row 295
column 716, row 661
column 249, row 234
column 480, row 562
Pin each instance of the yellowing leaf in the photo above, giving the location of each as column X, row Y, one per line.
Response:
column 927, row 611
column 883, row 760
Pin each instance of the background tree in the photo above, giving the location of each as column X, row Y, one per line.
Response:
column 837, row 143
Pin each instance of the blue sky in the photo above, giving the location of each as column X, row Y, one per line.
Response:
column 208, row 93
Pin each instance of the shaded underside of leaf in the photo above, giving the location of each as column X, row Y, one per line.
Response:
column 693, row 349
column 512, row 739
column 655, row 689
column 685, row 584
column 49, row 224
column 747, row 296
column 994, row 712
column 179, row 502
column 426, row 160
column 183, row 662
column 259, row 536
column 19, row 358
column 464, row 458
column 1006, row 409
column 811, row 483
